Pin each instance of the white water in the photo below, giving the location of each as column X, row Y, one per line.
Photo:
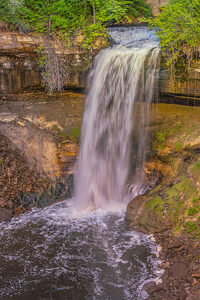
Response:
column 48, row 254
column 113, row 142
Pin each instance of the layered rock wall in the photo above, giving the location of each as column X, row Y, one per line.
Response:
column 19, row 56
column 19, row 68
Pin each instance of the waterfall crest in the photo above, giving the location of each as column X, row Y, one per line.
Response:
column 113, row 141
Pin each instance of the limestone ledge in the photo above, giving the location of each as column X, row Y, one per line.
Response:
column 19, row 43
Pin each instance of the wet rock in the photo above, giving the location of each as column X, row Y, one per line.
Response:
column 179, row 270
column 5, row 214
column 144, row 213
column 150, row 286
column 195, row 251
column 69, row 184
column 173, row 206
column 196, row 275
column 176, row 244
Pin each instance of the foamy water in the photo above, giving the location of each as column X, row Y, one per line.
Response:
column 53, row 253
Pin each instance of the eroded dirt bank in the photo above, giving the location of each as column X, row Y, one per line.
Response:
column 171, row 211
column 17, row 179
column 38, row 149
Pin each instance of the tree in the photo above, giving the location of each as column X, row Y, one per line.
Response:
column 178, row 27
column 64, row 18
column 12, row 12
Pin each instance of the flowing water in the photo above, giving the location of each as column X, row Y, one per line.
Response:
column 49, row 254
column 121, row 87
column 81, row 248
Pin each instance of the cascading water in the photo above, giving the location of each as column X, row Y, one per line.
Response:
column 121, row 87
column 51, row 253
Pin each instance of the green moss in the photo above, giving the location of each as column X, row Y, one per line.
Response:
column 176, row 129
column 62, row 134
column 1, row 161
column 197, row 233
column 75, row 133
column 191, row 227
column 178, row 146
column 192, row 211
column 178, row 229
column 156, row 204
column 195, row 200
column 160, row 140
column 56, row 128
column 161, row 137
column 184, row 187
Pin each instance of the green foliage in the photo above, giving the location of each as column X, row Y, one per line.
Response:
column 192, row 211
column 156, row 204
column 136, row 8
column 191, row 226
column 63, row 18
column 70, row 16
column 13, row 12
column 161, row 137
column 178, row 27
column 178, row 146
column 75, row 134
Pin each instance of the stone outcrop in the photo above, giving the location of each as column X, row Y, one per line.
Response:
column 175, row 154
column 171, row 210
column 38, row 150
column 19, row 56
column 19, row 68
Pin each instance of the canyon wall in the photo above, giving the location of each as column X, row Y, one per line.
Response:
column 19, row 68
column 19, row 61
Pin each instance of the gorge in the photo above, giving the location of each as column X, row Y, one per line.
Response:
column 99, row 182
column 44, row 249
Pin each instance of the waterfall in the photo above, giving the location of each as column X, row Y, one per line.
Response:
column 113, row 140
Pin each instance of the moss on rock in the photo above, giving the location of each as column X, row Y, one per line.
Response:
column 175, row 152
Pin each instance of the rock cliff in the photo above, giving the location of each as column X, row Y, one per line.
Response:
column 19, row 54
column 19, row 68
column 171, row 210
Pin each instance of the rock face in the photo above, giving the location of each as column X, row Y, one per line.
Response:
column 171, row 210
column 19, row 69
column 38, row 150
column 15, row 178
column 19, row 55
column 45, row 129
column 174, row 153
